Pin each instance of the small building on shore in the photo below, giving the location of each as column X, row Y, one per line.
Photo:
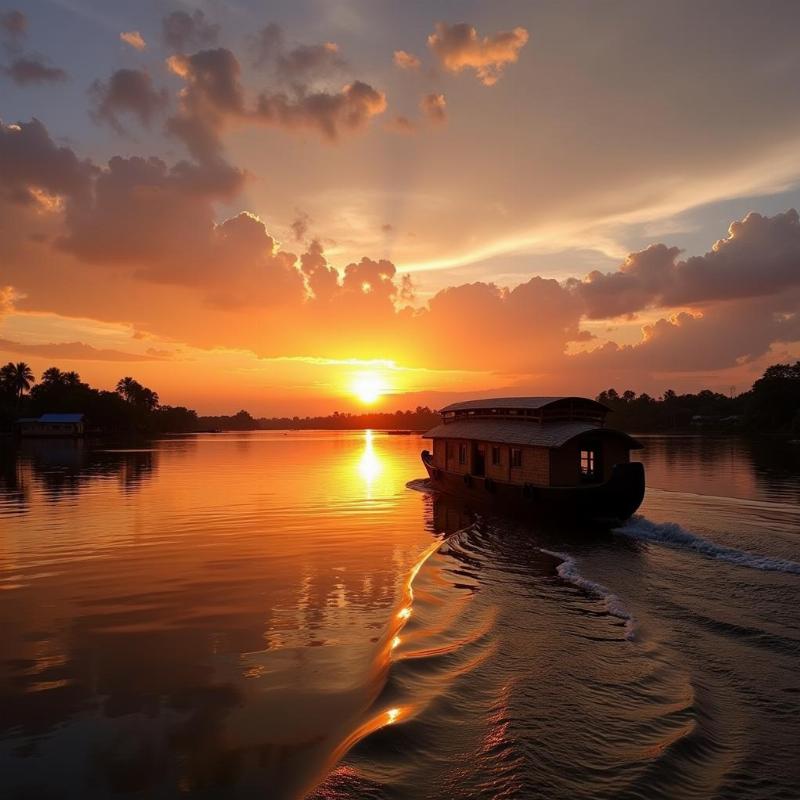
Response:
column 63, row 425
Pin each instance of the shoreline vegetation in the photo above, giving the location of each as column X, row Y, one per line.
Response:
column 770, row 407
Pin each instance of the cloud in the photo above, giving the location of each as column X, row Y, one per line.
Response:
column 76, row 351
column 459, row 47
column 306, row 62
column 760, row 256
column 212, row 98
column 321, row 278
column 30, row 161
column 540, row 313
column 137, row 237
column 299, row 226
column 405, row 60
column 26, row 70
column 134, row 39
column 434, row 107
column 300, row 64
column 14, row 25
column 329, row 113
column 182, row 31
column 128, row 91
column 718, row 338
column 144, row 219
column 267, row 44
column 8, row 296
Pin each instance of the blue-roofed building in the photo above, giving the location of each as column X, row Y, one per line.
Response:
column 52, row 425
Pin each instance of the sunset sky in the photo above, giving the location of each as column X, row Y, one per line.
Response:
column 286, row 206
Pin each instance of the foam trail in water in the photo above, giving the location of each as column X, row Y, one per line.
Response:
column 568, row 571
column 673, row 535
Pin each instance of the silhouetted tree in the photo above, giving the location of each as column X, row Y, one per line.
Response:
column 774, row 402
column 16, row 379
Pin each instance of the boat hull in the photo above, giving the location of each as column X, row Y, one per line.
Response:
column 607, row 503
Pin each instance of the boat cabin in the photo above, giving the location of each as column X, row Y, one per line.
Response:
column 529, row 441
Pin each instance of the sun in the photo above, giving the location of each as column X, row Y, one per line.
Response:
column 368, row 387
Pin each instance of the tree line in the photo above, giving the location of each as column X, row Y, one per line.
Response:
column 772, row 405
column 130, row 408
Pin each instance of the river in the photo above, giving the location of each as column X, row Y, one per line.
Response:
column 290, row 614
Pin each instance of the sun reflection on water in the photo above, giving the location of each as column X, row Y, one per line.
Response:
column 369, row 465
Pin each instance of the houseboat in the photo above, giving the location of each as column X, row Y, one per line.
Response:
column 52, row 425
column 546, row 455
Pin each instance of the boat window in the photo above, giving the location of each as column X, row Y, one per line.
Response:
column 588, row 463
column 462, row 454
column 495, row 456
column 516, row 457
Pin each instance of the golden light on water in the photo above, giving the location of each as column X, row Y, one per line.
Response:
column 369, row 465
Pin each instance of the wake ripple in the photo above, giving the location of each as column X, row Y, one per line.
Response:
column 673, row 535
column 420, row 485
column 568, row 571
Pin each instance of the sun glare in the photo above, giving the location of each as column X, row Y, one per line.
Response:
column 369, row 387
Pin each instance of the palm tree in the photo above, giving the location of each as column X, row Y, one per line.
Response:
column 129, row 388
column 52, row 375
column 18, row 378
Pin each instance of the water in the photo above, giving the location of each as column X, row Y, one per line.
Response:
column 276, row 615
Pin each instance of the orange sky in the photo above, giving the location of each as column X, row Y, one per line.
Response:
column 272, row 212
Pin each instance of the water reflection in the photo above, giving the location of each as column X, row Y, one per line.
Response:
column 723, row 466
column 369, row 464
column 231, row 614
column 226, row 623
column 57, row 470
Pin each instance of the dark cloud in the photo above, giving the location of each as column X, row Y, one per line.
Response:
column 760, row 256
column 329, row 113
column 26, row 70
column 183, row 31
column 73, row 350
column 30, row 160
column 459, row 47
column 158, row 223
column 214, row 98
column 128, row 91
column 306, row 62
column 267, row 44
column 434, row 107
column 300, row 64
column 213, row 95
